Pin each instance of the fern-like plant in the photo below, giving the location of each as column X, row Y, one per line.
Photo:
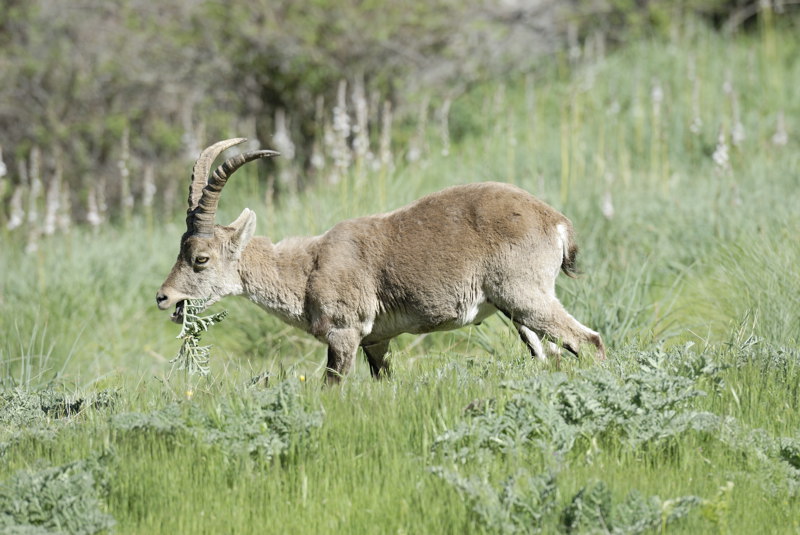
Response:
column 193, row 357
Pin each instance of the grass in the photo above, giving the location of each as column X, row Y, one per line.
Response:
column 692, row 281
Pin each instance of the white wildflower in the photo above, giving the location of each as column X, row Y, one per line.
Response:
column 52, row 202
column 64, row 219
column 3, row 167
column 417, row 146
column 738, row 134
column 340, row 151
column 657, row 94
column 35, row 190
column 781, row 136
column 92, row 213
column 148, row 186
column 386, row 160
column 696, row 126
column 281, row 139
column 444, row 127
column 17, row 212
column 319, row 145
column 721, row 154
column 361, row 126
column 607, row 204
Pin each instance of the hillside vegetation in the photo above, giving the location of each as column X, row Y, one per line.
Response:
column 677, row 160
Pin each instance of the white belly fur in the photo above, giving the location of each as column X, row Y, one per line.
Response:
column 392, row 323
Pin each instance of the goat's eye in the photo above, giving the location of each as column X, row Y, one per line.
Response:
column 201, row 260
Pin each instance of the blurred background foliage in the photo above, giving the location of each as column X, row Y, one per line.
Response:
column 103, row 103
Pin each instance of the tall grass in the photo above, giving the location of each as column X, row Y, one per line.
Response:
column 690, row 273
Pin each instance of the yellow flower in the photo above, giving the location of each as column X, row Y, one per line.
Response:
column 302, row 378
column 189, row 394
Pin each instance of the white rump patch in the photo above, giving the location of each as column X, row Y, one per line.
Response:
column 563, row 235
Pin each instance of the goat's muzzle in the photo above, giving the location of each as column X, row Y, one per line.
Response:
column 165, row 301
column 162, row 300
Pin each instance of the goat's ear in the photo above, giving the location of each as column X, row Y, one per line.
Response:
column 243, row 227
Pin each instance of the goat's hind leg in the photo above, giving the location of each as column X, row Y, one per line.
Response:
column 558, row 324
column 545, row 317
column 539, row 348
column 531, row 340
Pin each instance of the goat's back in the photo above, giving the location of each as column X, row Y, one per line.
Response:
column 445, row 242
column 491, row 212
column 452, row 229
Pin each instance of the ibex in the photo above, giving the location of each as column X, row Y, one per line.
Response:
column 447, row 260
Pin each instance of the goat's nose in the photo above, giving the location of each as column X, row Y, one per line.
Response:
column 161, row 299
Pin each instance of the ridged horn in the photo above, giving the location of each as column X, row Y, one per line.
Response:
column 202, row 217
column 202, row 167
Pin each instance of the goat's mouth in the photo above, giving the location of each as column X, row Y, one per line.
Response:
column 177, row 316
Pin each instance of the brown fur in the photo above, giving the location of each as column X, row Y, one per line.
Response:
column 447, row 260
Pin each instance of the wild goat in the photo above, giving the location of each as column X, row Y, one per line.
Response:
column 447, row 260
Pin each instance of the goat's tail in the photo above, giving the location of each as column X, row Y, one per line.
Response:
column 569, row 250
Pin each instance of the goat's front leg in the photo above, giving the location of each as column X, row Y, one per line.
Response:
column 342, row 347
column 376, row 356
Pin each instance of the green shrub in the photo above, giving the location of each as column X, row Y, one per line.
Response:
column 554, row 412
column 591, row 510
column 260, row 423
column 61, row 499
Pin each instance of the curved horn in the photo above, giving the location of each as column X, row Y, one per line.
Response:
column 203, row 220
column 202, row 166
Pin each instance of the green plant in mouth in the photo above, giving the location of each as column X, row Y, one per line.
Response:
column 193, row 357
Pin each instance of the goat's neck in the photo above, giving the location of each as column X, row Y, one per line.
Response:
column 275, row 276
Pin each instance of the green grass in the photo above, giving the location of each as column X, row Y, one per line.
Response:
column 695, row 256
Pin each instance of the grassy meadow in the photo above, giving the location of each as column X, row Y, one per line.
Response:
column 677, row 160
